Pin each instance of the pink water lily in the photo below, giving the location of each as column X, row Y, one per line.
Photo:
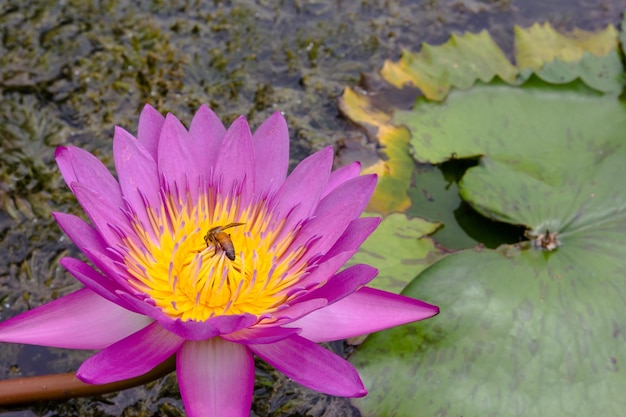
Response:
column 204, row 248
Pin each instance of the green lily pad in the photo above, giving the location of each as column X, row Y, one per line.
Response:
column 435, row 197
column 535, row 328
column 522, row 334
column 400, row 248
column 542, row 149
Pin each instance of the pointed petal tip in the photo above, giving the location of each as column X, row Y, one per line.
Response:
column 206, row 112
column 240, row 123
column 274, row 126
column 277, row 118
column 148, row 111
column 120, row 133
column 148, row 107
column 59, row 151
column 171, row 120
column 360, row 393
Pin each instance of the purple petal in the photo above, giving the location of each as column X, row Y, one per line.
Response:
column 343, row 284
column 199, row 330
column 79, row 166
column 208, row 132
column 130, row 357
column 297, row 310
column 80, row 320
column 216, row 378
column 95, row 281
column 190, row 330
column 103, row 212
column 345, row 247
column 333, row 215
column 301, row 191
column 261, row 334
column 229, row 324
column 342, row 175
column 137, row 173
column 312, row 366
column 179, row 160
column 149, row 130
column 357, row 190
column 271, row 154
column 111, row 269
column 355, row 234
column 93, row 246
column 235, row 165
column 81, row 233
column 367, row 310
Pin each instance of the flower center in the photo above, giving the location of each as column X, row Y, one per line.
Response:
column 211, row 258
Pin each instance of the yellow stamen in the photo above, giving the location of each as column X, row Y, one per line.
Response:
column 191, row 280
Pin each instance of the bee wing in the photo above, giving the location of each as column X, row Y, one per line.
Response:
column 229, row 225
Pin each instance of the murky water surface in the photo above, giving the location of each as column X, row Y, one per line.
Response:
column 71, row 70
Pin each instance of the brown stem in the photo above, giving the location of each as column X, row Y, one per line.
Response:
column 63, row 386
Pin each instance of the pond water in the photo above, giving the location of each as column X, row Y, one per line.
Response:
column 71, row 70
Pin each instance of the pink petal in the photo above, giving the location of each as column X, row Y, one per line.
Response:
column 216, row 378
column 343, row 284
column 179, row 160
column 102, row 285
column 301, row 191
column 208, row 132
column 137, row 174
column 149, row 130
column 93, row 246
column 103, row 212
column 235, row 165
column 111, row 269
column 297, row 310
column 271, row 154
column 260, row 334
column 81, row 233
column 355, row 234
column 312, row 366
column 343, row 249
column 95, row 281
column 198, row 330
column 342, row 175
column 130, row 357
column 229, row 324
column 190, row 330
column 357, row 190
column 366, row 311
column 79, row 166
column 80, row 320
column 333, row 215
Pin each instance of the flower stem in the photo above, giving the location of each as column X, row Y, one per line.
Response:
column 20, row 391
